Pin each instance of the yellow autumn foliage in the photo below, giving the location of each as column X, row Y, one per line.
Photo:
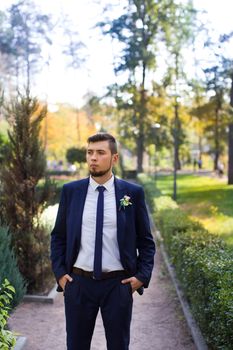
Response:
column 63, row 129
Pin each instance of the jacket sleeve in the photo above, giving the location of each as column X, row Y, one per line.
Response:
column 58, row 240
column 145, row 241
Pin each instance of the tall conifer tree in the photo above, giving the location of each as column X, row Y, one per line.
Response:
column 22, row 203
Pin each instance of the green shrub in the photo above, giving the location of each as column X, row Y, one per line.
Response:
column 55, row 187
column 76, row 155
column 130, row 174
column 59, row 173
column 204, row 267
column 149, row 186
column 164, row 202
column 8, row 266
column 7, row 338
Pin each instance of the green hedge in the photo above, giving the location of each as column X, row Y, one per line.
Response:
column 204, row 267
column 9, row 268
column 7, row 338
column 60, row 172
column 150, row 189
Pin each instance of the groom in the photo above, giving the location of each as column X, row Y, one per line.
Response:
column 102, row 250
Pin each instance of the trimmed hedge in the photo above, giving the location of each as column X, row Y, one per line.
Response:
column 204, row 267
column 150, row 189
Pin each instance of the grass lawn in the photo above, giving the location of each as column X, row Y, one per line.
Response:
column 208, row 199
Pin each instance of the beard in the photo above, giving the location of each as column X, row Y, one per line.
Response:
column 99, row 173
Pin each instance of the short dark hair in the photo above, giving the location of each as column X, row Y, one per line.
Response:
column 103, row 136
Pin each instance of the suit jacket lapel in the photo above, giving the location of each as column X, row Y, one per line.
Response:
column 80, row 201
column 120, row 191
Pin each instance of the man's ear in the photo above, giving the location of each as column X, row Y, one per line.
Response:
column 115, row 158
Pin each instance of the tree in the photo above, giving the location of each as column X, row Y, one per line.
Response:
column 100, row 113
column 212, row 123
column 3, row 139
column 73, row 46
column 73, row 51
column 230, row 138
column 76, row 155
column 5, row 46
column 3, row 148
column 228, row 65
column 216, row 84
column 178, row 33
column 24, row 31
column 141, row 30
column 59, row 131
column 197, row 117
column 137, row 29
column 22, row 202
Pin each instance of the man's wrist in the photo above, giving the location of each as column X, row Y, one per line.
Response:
column 139, row 278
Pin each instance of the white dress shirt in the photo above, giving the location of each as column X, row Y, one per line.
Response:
column 110, row 250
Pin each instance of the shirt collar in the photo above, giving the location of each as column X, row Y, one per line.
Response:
column 108, row 185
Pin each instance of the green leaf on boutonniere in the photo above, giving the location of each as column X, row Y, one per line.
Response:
column 124, row 202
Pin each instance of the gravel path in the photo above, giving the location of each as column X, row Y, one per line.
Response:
column 158, row 322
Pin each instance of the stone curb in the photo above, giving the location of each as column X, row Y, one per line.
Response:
column 42, row 298
column 197, row 336
column 20, row 343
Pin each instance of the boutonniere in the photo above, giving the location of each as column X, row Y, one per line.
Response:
column 124, row 202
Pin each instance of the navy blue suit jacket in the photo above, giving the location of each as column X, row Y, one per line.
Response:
column 136, row 244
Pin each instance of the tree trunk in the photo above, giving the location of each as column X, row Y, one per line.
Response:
column 78, row 128
column 140, row 154
column 140, row 140
column 177, row 125
column 230, row 141
column 200, row 147
column 176, row 164
column 17, row 74
column 176, row 151
column 176, row 138
column 122, row 168
column 28, row 68
column 216, row 138
column 230, row 155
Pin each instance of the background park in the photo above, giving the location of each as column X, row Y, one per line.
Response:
column 168, row 99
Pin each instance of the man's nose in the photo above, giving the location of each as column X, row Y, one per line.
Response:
column 93, row 156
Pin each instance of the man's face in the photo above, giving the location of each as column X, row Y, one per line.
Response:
column 100, row 160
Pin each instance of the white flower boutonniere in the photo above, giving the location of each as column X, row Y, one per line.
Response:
column 124, row 202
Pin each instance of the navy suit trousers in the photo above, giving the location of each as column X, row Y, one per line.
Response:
column 83, row 299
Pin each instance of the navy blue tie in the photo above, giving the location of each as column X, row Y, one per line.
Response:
column 99, row 233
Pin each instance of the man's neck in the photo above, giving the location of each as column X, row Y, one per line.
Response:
column 102, row 179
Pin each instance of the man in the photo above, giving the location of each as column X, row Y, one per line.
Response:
column 102, row 249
